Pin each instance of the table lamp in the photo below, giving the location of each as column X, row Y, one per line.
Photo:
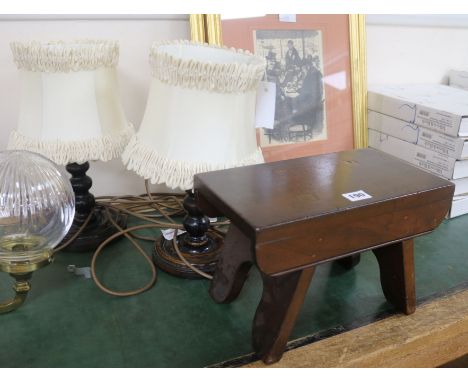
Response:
column 70, row 112
column 200, row 116
column 36, row 211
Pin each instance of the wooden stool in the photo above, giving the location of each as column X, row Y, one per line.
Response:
column 289, row 216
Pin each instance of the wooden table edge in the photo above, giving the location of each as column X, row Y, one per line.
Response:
column 435, row 334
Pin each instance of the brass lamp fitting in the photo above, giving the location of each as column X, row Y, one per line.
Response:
column 21, row 271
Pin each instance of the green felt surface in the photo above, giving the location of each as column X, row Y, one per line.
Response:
column 68, row 322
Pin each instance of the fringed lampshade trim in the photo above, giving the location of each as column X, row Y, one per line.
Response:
column 60, row 56
column 175, row 174
column 229, row 77
column 103, row 148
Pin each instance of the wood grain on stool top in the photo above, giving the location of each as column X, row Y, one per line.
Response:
column 306, row 188
column 297, row 205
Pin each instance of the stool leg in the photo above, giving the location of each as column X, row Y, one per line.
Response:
column 233, row 266
column 396, row 265
column 277, row 312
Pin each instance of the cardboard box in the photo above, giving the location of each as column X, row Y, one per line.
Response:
column 428, row 160
column 437, row 107
column 458, row 79
column 461, row 186
column 456, row 148
column 459, row 207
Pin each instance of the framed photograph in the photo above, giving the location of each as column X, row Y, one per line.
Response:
column 298, row 79
column 317, row 63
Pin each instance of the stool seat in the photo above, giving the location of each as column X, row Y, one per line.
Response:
column 288, row 216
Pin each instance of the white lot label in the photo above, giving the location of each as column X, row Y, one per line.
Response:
column 265, row 106
column 357, row 195
column 169, row 233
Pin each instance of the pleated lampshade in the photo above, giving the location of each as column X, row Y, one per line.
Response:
column 200, row 113
column 70, row 109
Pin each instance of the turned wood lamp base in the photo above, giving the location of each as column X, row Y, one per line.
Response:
column 198, row 246
column 99, row 227
column 166, row 258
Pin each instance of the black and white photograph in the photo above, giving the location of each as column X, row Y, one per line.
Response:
column 295, row 65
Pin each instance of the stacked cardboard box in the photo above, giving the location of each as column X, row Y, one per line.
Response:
column 458, row 79
column 426, row 125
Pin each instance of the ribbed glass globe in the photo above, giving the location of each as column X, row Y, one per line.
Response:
column 37, row 205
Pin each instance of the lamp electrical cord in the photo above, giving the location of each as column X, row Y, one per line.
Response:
column 149, row 207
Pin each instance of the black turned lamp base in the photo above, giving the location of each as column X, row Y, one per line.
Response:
column 204, row 258
column 198, row 246
column 98, row 229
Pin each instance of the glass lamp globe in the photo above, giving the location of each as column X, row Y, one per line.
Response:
column 37, row 205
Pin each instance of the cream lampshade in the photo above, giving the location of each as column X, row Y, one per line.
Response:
column 70, row 112
column 200, row 116
column 200, row 113
column 70, row 109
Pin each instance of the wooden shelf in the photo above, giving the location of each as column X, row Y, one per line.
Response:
column 434, row 335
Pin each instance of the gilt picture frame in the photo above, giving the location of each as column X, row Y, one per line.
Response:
column 342, row 64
